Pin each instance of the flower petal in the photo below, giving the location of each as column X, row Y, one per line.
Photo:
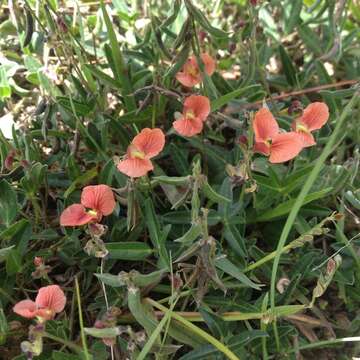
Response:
column 75, row 215
column 209, row 63
column 307, row 139
column 52, row 298
column 186, row 79
column 99, row 198
column 188, row 127
column 199, row 105
column 285, row 147
column 315, row 116
column 264, row 125
column 262, row 148
column 150, row 142
column 135, row 167
column 25, row 308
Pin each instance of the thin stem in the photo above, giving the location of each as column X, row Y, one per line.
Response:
column 326, row 343
column 303, row 92
column 102, row 264
column 81, row 321
column 210, row 339
column 67, row 343
column 298, row 242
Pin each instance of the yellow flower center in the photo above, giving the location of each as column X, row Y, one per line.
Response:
column 268, row 142
column 302, row 128
column 193, row 71
column 138, row 154
column 92, row 213
column 190, row 115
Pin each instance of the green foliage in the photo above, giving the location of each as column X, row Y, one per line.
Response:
column 217, row 253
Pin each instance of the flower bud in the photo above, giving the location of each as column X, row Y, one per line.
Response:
column 38, row 261
column 295, row 108
column 9, row 161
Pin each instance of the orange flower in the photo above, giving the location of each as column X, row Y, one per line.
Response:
column 191, row 75
column 280, row 147
column 196, row 110
column 144, row 146
column 313, row 118
column 49, row 301
column 98, row 198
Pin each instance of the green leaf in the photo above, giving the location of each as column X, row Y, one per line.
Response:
column 4, row 252
column 5, row 89
column 4, row 326
column 81, row 109
column 12, row 230
column 286, row 206
column 8, row 203
column 171, row 180
column 286, row 310
column 104, row 78
column 294, row 17
column 204, row 22
column 229, row 268
column 235, row 240
column 81, row 180
column 111, row 280
column 103, row 333
column 235, row 342
column 13, row 262
column 143, row 280
column 288, row 67
column 310, row 39
column 59, row 355
column 157, row 237
column 191, row 235
column 211, row 194
column 122, row 73
column 225, row 99
column 128, row 250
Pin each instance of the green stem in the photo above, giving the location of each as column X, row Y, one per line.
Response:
column 348, row 244
column 81, row 321
column 298, row 242
column 67, row 343
column 326, row 343
column 210, row 339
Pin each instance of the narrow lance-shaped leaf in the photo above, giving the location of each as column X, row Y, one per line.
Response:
column 119, row 62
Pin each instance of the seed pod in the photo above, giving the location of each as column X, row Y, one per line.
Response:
column 192, row 234
column 211, row 194
column 141, row 312
column 142, row 280
column 29, row 27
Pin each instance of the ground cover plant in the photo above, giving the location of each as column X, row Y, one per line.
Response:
column 179, row 179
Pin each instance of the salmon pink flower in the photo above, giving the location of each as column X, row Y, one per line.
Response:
column 49, row 301
column 313, row 118
column 196, row 110
column 98, row 198
column 191, row 74
column 280, row 147
column 145, row 145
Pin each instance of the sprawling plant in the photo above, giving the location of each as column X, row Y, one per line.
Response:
column 179, row 180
